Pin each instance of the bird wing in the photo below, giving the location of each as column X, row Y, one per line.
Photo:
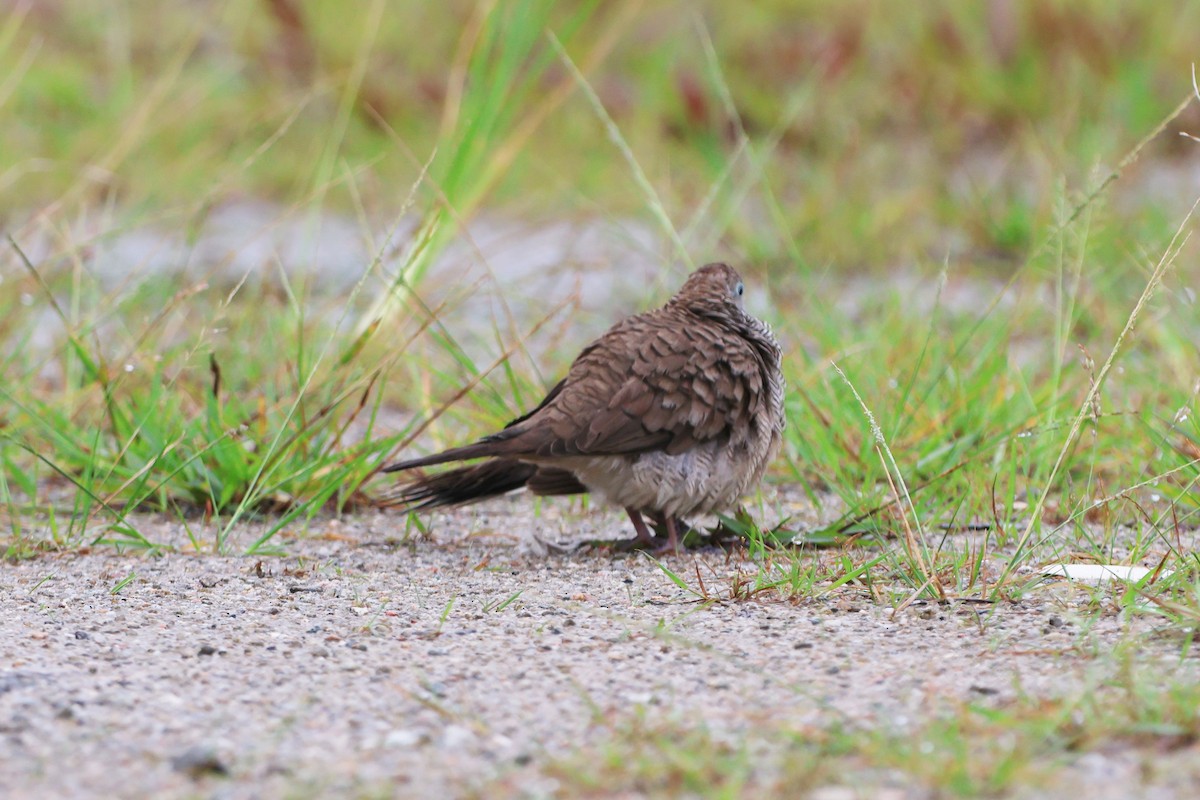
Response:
column 547, row 400
column 648, row 386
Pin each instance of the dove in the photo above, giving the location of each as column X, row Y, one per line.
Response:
column 671, row 413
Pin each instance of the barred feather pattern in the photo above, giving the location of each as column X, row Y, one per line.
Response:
column 676, row 411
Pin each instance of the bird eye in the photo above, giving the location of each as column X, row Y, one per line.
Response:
column 739, row 289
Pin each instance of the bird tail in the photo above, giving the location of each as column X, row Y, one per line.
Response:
column 477, row 450
column 550, row 481
column 463, row 485
column 481, row 481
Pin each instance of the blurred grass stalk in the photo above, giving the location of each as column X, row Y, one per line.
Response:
column 502, row 88
column 235, row 458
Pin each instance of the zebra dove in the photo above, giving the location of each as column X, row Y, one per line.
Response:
column 671, row 413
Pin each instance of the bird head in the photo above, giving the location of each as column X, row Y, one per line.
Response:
column 712, row 289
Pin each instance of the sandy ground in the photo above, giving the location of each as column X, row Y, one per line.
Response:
column 367, row 663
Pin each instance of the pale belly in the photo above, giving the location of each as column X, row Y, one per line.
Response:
column 704, row 479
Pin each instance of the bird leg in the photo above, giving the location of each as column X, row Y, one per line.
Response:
column 672, row 545
column 644, row 540
column 672, row 526
column 643, row 533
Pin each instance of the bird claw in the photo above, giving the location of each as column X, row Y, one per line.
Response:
column 654, row 547
column 617, row 545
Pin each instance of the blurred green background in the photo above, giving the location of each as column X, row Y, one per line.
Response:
column 958, row 203
column 893, row 134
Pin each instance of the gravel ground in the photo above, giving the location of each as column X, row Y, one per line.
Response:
column 365, row 662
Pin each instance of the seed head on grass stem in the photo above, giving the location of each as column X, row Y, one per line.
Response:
column 1178, row 240
column 914, row 543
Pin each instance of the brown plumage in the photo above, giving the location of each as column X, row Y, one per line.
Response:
column 670, row 413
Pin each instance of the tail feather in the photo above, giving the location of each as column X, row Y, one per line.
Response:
column 480, row 481
column 464, row 485
column 550, row 481
column 477, row 450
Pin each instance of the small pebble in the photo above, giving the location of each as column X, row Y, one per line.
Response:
column 402, row 737
column 456, row 736
column 198, row 761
